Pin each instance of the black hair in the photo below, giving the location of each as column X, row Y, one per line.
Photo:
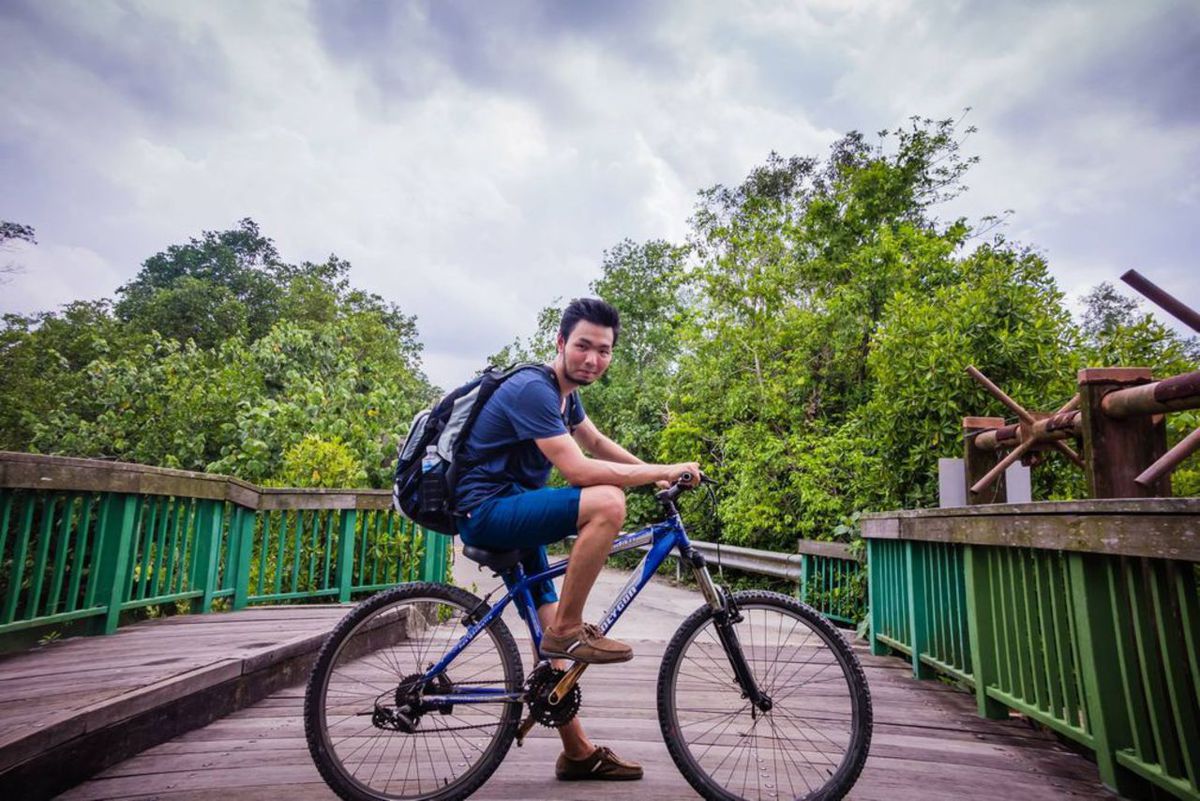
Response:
column 594, row 311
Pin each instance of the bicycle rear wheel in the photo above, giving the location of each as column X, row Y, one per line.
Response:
column 810, row 744
column 368, row 732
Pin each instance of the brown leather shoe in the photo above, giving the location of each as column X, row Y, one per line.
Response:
column 584, row 643
column 603, row 765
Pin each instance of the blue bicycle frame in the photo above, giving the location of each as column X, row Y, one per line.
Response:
column 661, row 537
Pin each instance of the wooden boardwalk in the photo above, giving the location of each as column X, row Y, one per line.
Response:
column 928, row 742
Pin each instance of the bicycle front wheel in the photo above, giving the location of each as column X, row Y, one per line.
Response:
column 810, row 744
column 369, row 732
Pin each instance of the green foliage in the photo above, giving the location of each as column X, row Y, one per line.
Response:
column 809, row 344
column 315, row 462
column 1003, row 315
column 220, row 357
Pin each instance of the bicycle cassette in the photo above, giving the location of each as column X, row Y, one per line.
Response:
column 542, row 682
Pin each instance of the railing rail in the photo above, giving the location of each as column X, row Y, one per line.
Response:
column 827, row 575
column 1084, row 616
column 84, row 539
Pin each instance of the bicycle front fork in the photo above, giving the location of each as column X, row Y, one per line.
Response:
column 725, row 617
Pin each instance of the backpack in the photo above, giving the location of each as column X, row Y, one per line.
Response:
column 430, row 460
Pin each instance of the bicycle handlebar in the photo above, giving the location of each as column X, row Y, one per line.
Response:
column 684, row 482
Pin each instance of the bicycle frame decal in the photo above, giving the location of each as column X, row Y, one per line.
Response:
column 664, row 536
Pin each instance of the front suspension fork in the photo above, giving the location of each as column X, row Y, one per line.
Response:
column 725, row 617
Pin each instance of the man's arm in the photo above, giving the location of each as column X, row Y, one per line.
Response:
column 580, row 471
column 592, row 440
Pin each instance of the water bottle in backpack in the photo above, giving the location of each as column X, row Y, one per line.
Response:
column 433, row 485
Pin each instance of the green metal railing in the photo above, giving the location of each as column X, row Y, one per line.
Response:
column 827, row 575
column 1083, row 616
column 82, row 539
column 832, row 584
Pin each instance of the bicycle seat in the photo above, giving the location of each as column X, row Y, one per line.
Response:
column 498, row 561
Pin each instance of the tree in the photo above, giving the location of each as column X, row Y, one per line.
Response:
column 1116, row 330
column 334, row 375
column 191, row 290
column 13, row 232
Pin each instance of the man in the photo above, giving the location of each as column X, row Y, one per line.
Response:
column 535, row 420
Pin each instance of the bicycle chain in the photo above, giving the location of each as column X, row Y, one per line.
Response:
column 460, row 728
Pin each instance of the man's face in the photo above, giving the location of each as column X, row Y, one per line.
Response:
column 586, row 352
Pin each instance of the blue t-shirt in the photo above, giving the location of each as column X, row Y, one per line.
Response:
column 500, row 450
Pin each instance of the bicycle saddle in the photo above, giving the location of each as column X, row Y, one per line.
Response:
column 498, row 561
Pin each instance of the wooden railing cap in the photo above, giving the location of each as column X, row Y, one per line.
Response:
column 71, row 474
column 1161, row 528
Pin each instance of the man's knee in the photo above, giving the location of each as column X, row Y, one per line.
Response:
column 602, row 502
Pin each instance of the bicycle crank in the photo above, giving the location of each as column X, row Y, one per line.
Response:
column 567, row 683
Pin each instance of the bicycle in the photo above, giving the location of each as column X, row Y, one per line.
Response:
column 759, row 696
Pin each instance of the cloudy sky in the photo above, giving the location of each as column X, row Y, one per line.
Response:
column 473, row 160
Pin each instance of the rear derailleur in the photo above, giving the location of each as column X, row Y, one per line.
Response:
column 401, row 709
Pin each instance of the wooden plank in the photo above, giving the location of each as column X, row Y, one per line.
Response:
column 35, row 471
column 929, row 745
column 833, row 550
column 907, row 762
column 118, row 727
column 40, row 472
column 1095, row 506
column 1159, row 536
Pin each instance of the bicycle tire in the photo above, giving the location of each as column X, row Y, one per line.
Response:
column 690, row 642
column 350, row 652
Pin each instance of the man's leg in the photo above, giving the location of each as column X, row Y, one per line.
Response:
column 601, row 515
column 576, row 744
column 581, row 759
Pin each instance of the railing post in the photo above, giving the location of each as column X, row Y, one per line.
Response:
column 804, row 573
column 874, row 595
column 345, row 563
column 433, row 560
column 919, row 634
column 981, row 631
column 1116, row 450
column 977, row 462
column 206, row 559
column 1097, row 641
column 241, row 550
column 112, row 572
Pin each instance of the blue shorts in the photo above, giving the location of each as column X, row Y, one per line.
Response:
column 529, row 520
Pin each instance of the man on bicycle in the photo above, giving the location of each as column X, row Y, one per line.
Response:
column 536, row 420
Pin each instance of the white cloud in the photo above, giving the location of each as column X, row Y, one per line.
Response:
column 48, row 276
column 474, row 167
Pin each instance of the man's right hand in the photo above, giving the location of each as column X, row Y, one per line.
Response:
column 675, row 471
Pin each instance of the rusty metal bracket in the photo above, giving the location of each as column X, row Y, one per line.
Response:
column 1170, row 460
column 1165, row 300
column 1032, row 431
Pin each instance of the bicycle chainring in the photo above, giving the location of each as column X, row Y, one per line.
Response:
column 541, row 683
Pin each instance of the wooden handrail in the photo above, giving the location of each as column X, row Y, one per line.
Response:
column 42, row 472
column 1164, row 528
